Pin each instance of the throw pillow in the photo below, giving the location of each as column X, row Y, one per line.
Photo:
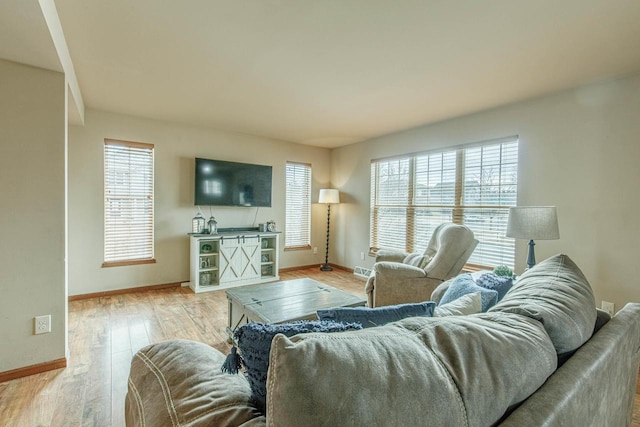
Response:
column 500, row 284
column 417, row 260
column 466, row 304
column 464, row 284
column 254, row 342
column 440, row 290
column 370, row 317
column 558, row 295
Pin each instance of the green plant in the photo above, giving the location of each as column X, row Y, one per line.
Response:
column 503, row 270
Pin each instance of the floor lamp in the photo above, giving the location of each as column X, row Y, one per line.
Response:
column 533, row 222
column 328, row 196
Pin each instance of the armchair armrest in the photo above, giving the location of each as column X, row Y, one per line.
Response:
column 397, row 271
column 396, row 283
column 390, row 256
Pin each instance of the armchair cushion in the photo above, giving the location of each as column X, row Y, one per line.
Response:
column 370, row 317
column 417, row 260
column 464, row 284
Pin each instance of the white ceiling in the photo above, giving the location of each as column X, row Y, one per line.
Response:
column 333, row 72
column 24, row 36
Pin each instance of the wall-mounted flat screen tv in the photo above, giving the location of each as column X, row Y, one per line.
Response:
column 221, row 183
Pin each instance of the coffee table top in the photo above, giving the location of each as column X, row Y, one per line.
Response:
column 289, row 300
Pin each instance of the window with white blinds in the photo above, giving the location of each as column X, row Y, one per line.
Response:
column 297, row 234
column 128, row 203
column 475, row 186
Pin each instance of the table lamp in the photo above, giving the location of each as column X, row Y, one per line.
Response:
column 328, row 196
column 533, row 223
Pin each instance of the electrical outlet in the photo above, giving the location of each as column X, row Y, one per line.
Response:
column 609, row 307
column 42, row 324
column 361, row 255
column 315, row 250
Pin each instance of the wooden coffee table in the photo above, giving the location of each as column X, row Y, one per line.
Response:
column 284, row 301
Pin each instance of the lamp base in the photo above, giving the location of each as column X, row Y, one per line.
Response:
column 531, row 257
column 326, row 267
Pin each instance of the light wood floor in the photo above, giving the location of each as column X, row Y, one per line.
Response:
column 103, row 335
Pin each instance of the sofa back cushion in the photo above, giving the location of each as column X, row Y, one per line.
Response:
column 457, row 370
column 556, row 293
column 254, row 342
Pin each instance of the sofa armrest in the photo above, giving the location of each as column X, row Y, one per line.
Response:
column 179, row 382
column 396, row 283
column 606, row 366
column 390, row 256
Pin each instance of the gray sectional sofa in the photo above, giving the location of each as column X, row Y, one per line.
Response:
column 542, row 356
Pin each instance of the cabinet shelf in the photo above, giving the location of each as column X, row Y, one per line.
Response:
column 208, row 253
column 208, row 269
column 267, row 263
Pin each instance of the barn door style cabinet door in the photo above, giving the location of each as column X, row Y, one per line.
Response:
column 239, row 258
column 229, row 260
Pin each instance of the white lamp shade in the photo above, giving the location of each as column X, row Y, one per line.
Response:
column 329, row 195
column 533, row 223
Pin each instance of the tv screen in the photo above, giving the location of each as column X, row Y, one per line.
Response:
column 220, row 183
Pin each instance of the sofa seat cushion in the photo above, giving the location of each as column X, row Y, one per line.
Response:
column 179, row 383
column 556, row 293
column 459, row 370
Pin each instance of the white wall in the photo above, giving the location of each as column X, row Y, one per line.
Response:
column 176, row 146
column 579, row 150
column 32, row 215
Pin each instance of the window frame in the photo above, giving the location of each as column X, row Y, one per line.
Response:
column 299, row 206
column 452, row 205
column 113, row 227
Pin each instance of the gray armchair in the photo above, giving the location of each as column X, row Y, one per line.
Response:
column 393, row 282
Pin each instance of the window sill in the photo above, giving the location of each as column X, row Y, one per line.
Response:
column 472, row 268
column 128, row 262
column 297, row 248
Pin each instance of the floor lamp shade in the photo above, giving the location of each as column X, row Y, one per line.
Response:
column 328, row 196
column 533, row 223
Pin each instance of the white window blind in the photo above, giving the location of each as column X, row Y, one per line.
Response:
column 474, row 186
column 298, row 206
column 128, row 203
column 490, row 188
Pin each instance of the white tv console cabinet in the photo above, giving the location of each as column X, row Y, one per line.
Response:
column 235, row 258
